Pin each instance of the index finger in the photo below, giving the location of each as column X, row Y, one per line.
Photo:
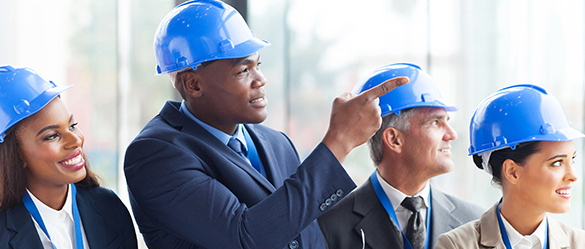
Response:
column 385, row 87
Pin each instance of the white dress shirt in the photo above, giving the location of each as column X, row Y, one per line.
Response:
column 59, row 224
column 519, row 241
column 396, row 197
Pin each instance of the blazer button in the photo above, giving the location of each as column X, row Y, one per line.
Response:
column 293, row 244
column 328, row 201
column 333, row 197
column 323, row 206
column 339, row 193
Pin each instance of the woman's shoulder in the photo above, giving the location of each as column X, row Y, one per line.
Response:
column 468, row 230
column 465, row 236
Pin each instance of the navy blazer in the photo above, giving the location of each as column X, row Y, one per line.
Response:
column 362, row 211
column 189, row 190
column 106, row 221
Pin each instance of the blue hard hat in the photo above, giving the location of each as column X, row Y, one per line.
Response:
column 199, row 31
column 517, row 114
column 421, row 91
column 23, row 93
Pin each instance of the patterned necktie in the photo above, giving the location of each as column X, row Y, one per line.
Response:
column 415, row 229
column 238, row 147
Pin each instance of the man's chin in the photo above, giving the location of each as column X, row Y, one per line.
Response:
column 258, row 119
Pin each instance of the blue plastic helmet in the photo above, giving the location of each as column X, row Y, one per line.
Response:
column 421, row 91
column 23, row 93
column 517, row 114
column 199, row 31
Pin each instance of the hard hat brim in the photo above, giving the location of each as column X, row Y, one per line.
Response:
column 560, row 135
column 449, row 108
column 241, row 50
column 35, row 106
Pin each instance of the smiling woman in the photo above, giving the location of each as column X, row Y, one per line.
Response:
column 44, row 174
column 522, row 137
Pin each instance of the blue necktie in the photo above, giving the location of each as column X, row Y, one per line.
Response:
column 239, row 148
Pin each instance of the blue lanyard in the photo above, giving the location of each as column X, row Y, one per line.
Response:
column 504, row 234
column 390, row 210
column 253, row 153
column 32, row 209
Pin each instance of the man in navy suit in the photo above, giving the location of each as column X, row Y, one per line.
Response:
column 411, row 147
column 205, row 174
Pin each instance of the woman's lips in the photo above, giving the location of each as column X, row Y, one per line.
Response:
column 73, row 162
column 564, row 192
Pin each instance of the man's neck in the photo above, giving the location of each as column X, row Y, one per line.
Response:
column 402, row 181
column 225, row 127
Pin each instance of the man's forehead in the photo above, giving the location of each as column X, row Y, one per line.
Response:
column 245, row 60
column 426, row 113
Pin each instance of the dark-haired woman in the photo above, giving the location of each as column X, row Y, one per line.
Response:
column 522, row 137
column 49, row 198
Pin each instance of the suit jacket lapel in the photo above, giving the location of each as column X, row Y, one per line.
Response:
column 19, row 220
column 177, row 119
column 490, row 232
column 557, row 238
column 490, row 236
column 442, row 219
column 93, row 222
column 379, row 230
column 269, row 160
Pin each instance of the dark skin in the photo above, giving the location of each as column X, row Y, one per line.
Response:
column 47, row 140
column 231, row 91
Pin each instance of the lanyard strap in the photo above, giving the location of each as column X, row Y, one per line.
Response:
column 32, row 209
column 253, row 153
column 390, row 210
column 504, row 233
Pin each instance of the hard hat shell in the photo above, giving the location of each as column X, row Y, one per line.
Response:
column 517, row 114
column 421, row 91
column 23, row 93
column 199, row 31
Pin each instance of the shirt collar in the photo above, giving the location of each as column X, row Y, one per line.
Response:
column 222, row 136
column 396, row 196
column 46, row 211
column 515, row 237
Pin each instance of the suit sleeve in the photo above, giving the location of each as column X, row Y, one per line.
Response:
column 125, row 224
column 174, row 190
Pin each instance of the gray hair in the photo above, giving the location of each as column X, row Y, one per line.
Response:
column 400, row 122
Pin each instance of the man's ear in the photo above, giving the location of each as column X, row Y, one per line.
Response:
column 393, row 139
column 191, row 83
column 511, row 171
